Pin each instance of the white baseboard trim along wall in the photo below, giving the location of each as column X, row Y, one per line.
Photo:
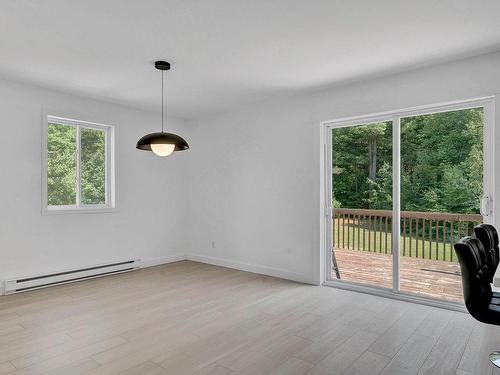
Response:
column 151, row 262
column 248, row 267
column 255, row 268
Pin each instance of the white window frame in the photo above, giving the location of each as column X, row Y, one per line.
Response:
column 110, row 199
column 489, row 155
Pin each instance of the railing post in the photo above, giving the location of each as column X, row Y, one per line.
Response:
column 386, row 220
column 348, row 229
column 430, row 239
column 411, row 235
column 416, row 238
column 450, row 239
column 369, row 233
column 343, row 230
column 444, row 238
column 380, row 235
column 364, row 232
column 359, row 230
column 404, row 236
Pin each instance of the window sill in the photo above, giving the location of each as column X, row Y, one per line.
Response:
column 92, row 210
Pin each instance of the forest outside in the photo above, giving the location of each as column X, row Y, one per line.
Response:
column 441, row 172
column 66, row 162
column 441, row 163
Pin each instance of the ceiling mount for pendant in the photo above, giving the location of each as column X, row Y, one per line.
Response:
column 161, row 143
column 162, row 65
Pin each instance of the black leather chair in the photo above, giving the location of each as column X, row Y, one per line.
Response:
column 481, row 302
column 488, row 236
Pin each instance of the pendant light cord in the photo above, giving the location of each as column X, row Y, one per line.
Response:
column 162, row 101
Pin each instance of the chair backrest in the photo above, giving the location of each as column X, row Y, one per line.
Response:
column 488, row 236
column 475, row 275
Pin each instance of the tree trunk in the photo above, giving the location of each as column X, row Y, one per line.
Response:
column 372, row 158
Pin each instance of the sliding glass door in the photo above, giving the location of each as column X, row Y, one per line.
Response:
column 362, row 203
column 402, row 188
column 441, row 191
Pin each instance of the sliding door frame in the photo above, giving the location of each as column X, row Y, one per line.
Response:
column 488, row 105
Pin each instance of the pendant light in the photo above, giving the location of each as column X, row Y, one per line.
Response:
column 162, row 144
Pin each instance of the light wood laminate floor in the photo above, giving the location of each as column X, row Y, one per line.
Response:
column 192, row 318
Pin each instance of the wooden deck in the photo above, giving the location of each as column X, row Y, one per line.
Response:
column 429, row 278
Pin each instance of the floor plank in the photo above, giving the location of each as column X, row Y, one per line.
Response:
column 484, row 339
column 368, row 364
column 6, row 368
column 292, row 366
column 345, row 355
column 389, row 342
column 411, row 356
column 446, row 354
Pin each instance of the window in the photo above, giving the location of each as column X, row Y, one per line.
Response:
column 77, row 166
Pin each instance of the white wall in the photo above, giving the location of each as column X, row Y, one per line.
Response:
column 254, row 175
column 151, row 191
column 250, row 181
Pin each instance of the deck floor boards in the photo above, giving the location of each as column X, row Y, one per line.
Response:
column 420, row 276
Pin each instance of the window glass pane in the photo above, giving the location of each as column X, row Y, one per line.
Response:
column 362, row 202
column 61, row 169
column 441, row 189
column 93, row 166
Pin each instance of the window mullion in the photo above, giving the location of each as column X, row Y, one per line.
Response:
column 78, row 162
column 396, row 201
column 106, row 168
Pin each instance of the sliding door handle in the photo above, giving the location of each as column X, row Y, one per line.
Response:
column 485, row 207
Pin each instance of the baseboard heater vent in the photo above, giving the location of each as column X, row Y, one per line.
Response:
column 69, row 276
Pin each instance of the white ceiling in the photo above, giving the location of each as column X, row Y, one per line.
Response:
column 227, row 53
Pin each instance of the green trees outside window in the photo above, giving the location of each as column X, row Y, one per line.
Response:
column 441, row 163
column 65, row 163
column 93, row 166
column 61, row 172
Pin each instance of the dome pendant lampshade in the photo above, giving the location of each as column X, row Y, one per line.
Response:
column 161, row 143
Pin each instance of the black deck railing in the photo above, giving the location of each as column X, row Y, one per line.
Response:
column 426, row 235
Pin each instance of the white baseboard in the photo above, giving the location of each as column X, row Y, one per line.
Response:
column 148, row 262
column 151, row 262
column 242, row 266
column 255, row 268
